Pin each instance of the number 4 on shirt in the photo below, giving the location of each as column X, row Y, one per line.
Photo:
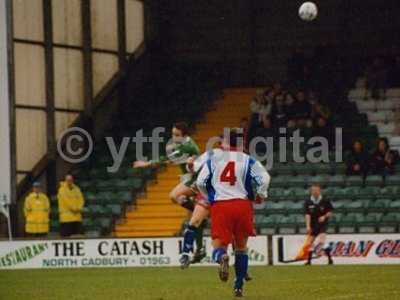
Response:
column 228, row 174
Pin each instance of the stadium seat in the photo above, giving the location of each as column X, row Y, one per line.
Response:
column 300, row 194
column 319, row 179
column 392, row 180
column 336, row 181
column 99, row 173
column 298, row 181
column 275, row 207
column 379, row 205
column 354, row 206
column 354, row 181
column 323, row 169
column 394, row 206
column 389, row 223
column 294, row 207
column 259, row 207
column 283, row 168
column 374, row 180
column 339, row 168
column 369, row 192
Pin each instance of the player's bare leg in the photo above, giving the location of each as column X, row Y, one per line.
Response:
column 241, row 265
column 221, row 257
column 309, row 241
column 200, row 214
column 181, row 195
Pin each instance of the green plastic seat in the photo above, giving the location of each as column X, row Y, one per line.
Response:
column 90, row 197
column 300, row 194
column 123, row 197
column 275, row 207
column 354, row 206
column 87, row 186
column 392, row 180
column 114, row 209
column 283, row 168
column 354, row 181
column 297, row 181
column 294, row 207
column 339, row 168
column 323, row 169
column 336, row 181
column 339, row 205
column 379, row 205
column 390, row 192
column 374, row 180
column 259, row 207
column 279, row 181
column 319, row 179
column 99, row 173
column 394, row 206
column 305, row 169
column 106, row 185
column 389, row 223
column 369, row 192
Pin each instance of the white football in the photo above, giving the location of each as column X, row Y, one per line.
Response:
column 308, row 11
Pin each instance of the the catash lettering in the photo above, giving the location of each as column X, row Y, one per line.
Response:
column 123, row 248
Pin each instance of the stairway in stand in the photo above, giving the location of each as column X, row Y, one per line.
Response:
column 155, row 214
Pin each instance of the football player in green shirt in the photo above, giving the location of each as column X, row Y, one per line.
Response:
column 182, row 149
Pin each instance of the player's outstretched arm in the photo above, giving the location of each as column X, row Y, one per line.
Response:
column 262, row 179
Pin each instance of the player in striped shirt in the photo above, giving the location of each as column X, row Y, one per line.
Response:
column 227, row 180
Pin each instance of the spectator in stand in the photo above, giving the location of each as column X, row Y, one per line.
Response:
column 277, row 88
column 261, row 105
column 319, row 111
column 279, row 113
column 36, row 211
column 377, row 78
column 70, row 206
column 302, row 110
column 290, row 110
column 323, row 129
column 383, row 159
column 358, row 160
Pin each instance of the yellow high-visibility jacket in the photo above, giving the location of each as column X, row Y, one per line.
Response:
column 70, row 203
column 36, row 210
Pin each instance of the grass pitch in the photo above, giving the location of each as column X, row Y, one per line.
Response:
column 291, row 282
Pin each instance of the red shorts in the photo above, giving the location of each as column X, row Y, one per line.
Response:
column 232, row 219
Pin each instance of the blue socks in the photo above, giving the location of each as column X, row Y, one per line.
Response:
column 241, row 267
column 217, row 254
column 188, row 239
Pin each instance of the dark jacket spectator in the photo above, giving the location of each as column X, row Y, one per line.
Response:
column 279, row 113
column 383, row 159
column 302, row 109
column 358, row 160
column 323, row 129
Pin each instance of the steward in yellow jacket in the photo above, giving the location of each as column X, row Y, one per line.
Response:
column 36, row 211
column 70, row 206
